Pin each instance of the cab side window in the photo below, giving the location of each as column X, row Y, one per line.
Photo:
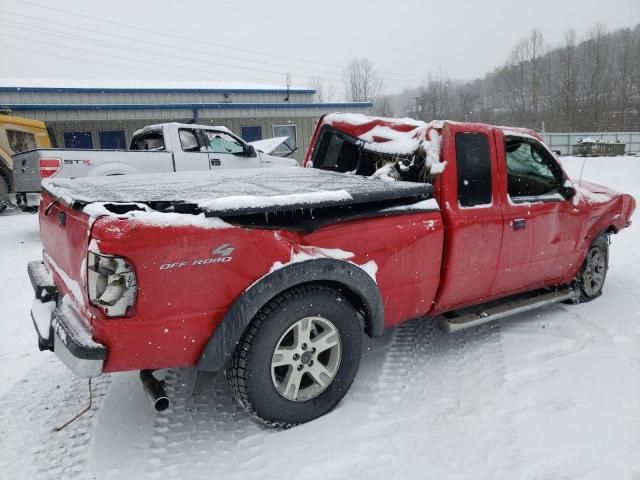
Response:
column 474, row 169
column 531, row 170
column 188, row 140
column 148, row 141
column 220, row 142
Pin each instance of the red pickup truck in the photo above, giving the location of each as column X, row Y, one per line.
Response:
column 275, row 276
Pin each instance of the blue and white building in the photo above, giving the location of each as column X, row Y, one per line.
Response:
column 104, row 114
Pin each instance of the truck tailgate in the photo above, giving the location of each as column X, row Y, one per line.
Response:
column 75, row 163
column 26, row 172
column 65, row 237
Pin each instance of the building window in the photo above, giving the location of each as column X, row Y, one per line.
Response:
column 251, row 134
column 20, row 141
column 290, row 131
column 113, row 140
column 78, row 140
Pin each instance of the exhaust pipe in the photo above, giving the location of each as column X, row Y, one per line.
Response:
column 155, row 389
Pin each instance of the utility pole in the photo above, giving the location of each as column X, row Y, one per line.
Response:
column 417, row 99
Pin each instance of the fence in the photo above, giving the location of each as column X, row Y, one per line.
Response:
column 563, row 141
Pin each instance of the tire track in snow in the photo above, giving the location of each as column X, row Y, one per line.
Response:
column 435, row 387
column 47, row 398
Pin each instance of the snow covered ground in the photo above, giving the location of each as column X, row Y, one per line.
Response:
column 552, row 394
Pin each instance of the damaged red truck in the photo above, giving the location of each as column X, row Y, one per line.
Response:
column 275, row 276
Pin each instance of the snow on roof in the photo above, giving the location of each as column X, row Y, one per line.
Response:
column 399, row 136
column 393, row 136
column 521, row 132
column 230, row 192
column 64, row 84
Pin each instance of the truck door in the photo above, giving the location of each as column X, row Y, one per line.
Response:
column 228, row 151
column 470, row 205
column 541, row 228
column 191, row 153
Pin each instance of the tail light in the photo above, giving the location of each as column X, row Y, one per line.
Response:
column 49, row 167
column 111, row 283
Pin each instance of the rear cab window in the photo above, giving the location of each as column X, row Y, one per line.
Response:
column 473, row 169
column 152, row 141
column 336, row 152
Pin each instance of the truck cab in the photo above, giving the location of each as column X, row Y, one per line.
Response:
column 204, row 147
column 515, row 221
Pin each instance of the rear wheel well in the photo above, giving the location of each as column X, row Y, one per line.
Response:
column 354, row 299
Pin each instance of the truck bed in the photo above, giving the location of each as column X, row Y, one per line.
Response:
column 238, row 192
column 81, row 163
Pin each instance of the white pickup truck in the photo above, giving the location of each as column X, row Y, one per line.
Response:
column 166, row 147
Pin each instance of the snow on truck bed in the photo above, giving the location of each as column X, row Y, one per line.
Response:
column 237, row 192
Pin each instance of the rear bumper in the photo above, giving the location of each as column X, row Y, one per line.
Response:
column 60, row 329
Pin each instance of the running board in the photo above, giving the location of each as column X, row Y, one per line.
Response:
column 450, row 325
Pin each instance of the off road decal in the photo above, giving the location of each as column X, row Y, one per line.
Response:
column 222, row 254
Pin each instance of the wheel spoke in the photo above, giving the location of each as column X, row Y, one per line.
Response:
column 281, row 357
column 301, row 332
column 291, row 384
column 320, row 374
column 326, row 340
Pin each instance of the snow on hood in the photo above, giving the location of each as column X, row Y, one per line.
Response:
column 268, row 145
column 594, row 193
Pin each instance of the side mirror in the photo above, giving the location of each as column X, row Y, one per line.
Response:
column 251, row 152
column 568, row 192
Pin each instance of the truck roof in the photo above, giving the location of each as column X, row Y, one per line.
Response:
column 237, row 192
column 158, row 126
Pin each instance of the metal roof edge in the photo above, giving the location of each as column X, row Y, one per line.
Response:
column 151, row 90
column 167, row 106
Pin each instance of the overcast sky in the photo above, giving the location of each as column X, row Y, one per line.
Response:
column 261, row 40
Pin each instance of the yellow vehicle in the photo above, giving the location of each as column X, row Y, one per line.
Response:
column 17, row 135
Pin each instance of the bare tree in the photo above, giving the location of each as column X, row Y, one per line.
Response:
column 361, row 81
column 568, row 90
column 583, row 84
column 382, row 106
column 596, row 74
column 435, row 95
column 468, row 98
column 317, row 84
column 625, row 73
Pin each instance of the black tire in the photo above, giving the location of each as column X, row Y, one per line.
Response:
column 250, row 374
column 593, row 273
column 5, row 189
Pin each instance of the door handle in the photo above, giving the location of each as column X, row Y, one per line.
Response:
column 519, row 223
column 215, row 162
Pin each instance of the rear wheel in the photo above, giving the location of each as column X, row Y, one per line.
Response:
column 298, row 357
column 5, row 188
column 593, row 273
